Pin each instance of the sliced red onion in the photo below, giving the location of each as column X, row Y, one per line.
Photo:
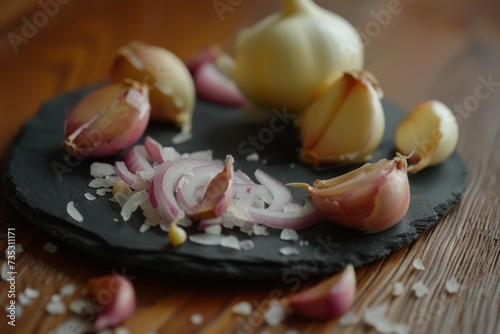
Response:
column 292, row 220
column 135, row 181
column 133, row 203
column 137, row 159
column 214, row 86
column 281, row 194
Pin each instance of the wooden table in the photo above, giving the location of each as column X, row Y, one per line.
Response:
column 425, row 51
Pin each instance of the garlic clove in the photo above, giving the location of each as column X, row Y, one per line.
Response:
column 290, row 58
column 371, row 198
column 116, row 295
column 176, row 234
column 172, row 92
column 431, row 130
column 346, row 124
column 327, row 299
column 219, row 193
column 107, row 120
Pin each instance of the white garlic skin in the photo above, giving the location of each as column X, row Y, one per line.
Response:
column 431, row 130
column 346, row 124
column 289, row 58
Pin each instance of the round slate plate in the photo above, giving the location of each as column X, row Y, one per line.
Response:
column 40, row 183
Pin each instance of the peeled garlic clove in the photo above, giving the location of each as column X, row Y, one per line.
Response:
column 328, row 299
column 289, row 58
column 431, row 130
column 172, row 93
column 371, row 198
column 346, row 124
column 176, row 234
column 116, row 295
column 107, row 120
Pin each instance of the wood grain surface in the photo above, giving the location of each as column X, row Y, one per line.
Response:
column 431, row 49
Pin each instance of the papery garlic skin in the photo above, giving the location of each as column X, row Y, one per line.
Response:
column 371, row 198
column 172, row 92
column 108, row 120
column 289, row 58
column 346, row 124
column 431, row 130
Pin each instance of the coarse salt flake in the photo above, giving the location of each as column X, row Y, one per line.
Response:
column 89, row 196
column 73, row 212
column 247, row 244
column 349, row 319
column 289, row 250
column 206, row 239
column 23, row 299
column 55, row 307
column 398, row 289
column 275, row 314
column 213, row 229
column 31, row 293
column 420, row 289
column 288, row 234
column 50, row 247
column 418, row 264
column 242, row 308
column 452, row 285
column 253, row 157
column 230, row 242
column 99, row 169
column 196, row 319
column 68, row 289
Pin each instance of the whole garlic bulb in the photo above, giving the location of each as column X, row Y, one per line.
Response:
column 172, row 92
column 346, row 124
column 289, row 58
column 431, row 131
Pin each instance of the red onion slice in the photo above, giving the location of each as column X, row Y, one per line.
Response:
column 281, row 194
column 154, row 149
column 137, row 159
column 134, row 181
column 213, row 86
column 219, row 193
column 308, row 216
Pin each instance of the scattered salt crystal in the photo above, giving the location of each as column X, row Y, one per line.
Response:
column 213, row 229
column 68, row 289
column 181, row 138
column 102, row 191
column 306, row 243
column 23, row 299
column 452, row 286
column 79, row 306
column 348, row 319
column 417, row 264
column 253, row 157
column 112, row 199
column 289, row 250
column 196, row 319
column 260, row 230
column 116, row 220
column 301, row 243
column 100, row 183
column 55, row 307
column 398, row 289
column 292, row 165
column 275, row 314
column 288, row 234
column 242, row 308
column 98, row 169
column 50, row 247
column 89, row 196
column 144, row 227
column 420, row 289
column 247, row 244
column 73, row 212
column 31, row 293
column 375, row 317
column 4, row 270
column 264, row 161
column 230, row 242
column 56, row 298
column 206, row 239
column 121, row 330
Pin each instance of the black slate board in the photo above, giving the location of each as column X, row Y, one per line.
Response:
column 36, row 190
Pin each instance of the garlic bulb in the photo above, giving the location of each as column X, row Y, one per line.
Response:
column 345, row 124
column 371, row 198
column 107, row 120
column 289, row 58
column 172, row 93
column 431, row 130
